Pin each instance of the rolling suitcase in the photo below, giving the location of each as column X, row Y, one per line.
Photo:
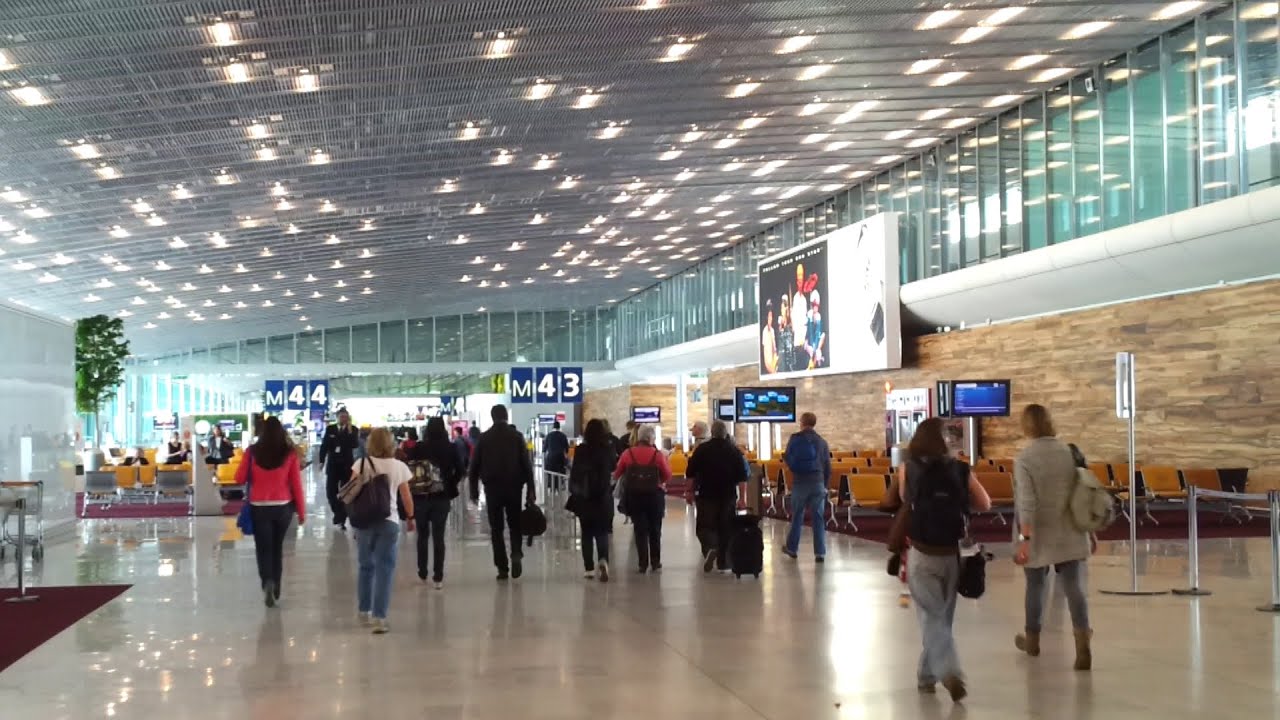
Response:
column 746, row 549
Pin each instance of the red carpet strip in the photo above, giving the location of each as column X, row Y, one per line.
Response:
column 28, row 625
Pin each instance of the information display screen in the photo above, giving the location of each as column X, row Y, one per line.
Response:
column 725, row 411
column 646, row 414
column 980, row 398
column 760, row 404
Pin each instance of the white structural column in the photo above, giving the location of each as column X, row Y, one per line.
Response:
column 681, row 433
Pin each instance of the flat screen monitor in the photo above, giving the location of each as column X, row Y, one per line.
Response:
column 646, row 414
column 831, row 305
column 546, row 418
column 979, row 398
column 725, row 410
column 764, row 404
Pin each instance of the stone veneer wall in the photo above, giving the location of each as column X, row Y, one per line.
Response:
column 614, row 404
column 1208, row 380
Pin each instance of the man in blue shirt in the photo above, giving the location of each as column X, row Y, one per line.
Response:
column 809, row 459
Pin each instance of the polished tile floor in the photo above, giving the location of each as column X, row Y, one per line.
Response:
column 191, row 639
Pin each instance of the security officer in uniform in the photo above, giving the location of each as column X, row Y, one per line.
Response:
column 337, row 457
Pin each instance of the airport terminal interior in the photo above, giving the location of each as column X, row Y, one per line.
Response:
column 253, row 248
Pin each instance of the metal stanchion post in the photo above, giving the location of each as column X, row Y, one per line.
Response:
column 1193, row 548
column 1273, row 503
column 21, row 506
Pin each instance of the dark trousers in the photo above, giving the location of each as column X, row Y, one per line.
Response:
column 336, row 477
column 646, row 511
column 714, row 525
column 431, row 513
column 595, row 541
column 270, row 527
column 498, row 507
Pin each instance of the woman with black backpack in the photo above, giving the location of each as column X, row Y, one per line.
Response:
column 591, row 497
column 437, row 471
column 940, row 492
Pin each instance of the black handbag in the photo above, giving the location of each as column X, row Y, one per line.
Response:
column 973, row 574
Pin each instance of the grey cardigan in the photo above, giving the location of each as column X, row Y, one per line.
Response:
column 1043, row 476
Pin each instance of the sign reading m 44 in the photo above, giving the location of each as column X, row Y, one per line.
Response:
column 546, row 385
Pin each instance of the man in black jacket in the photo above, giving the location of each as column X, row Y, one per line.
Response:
column 501, row 462
column 337, row 457
column 716, row 468
column 555, row 449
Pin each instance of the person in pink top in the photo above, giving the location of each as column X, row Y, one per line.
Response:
column 644, row 473
column 275, row 496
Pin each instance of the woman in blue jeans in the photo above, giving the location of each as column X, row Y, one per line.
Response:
column 376, row 545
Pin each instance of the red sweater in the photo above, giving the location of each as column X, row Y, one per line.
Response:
column 644, row 455
column 281, row 484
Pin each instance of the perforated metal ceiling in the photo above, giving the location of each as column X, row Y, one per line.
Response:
column 202, row 125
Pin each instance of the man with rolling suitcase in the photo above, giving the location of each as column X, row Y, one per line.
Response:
column 715, row 469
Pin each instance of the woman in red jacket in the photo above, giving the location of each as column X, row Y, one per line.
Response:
column 644, row 473
column 275, row 494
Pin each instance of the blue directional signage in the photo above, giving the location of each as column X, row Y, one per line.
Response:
column 571, row 385
column 295, row 397
column 318, row 394
column 521, row 386
column 546, row 385
column 273, row 401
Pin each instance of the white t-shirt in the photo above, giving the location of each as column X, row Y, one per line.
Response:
column 397, row 473
column 799, row 319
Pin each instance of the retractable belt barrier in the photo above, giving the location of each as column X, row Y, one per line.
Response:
column 1194, row 495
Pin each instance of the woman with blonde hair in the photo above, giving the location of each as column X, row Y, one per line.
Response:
column 1044, row 474
column 376, row 544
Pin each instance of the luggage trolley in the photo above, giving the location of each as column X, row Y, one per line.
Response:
column 13, row 515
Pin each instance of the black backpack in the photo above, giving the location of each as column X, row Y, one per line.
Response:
column 533, row 523
column 642, row 478
column 368, row 501
column 939, row 502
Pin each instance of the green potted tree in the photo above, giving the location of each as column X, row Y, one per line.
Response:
column 101, row 349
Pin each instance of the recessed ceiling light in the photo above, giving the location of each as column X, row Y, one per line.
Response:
column 812, row 138
column 1174, row 9
column 368, row 224
column 568, row 183
column 839, row 167
column 923, row 66
column 306, row 82
column 477, row 209
column 1001, row 100
column 539, row 90
column 794, row 44
column 855, row 111
column 726, row 142
column 948, row 78
column 448, row 185
column 125, row 313
column 156, row 221
column 837, row 145
column 1027, row 61
column 118, row 232
column 899, row 134
column 959, row 122
column 586, row 100
column 888, row 159
column 5, row 63
column 973, row 34
column 922, row 142
column 319, row 157
column 938, row 19
column 23, row 266
column 340, row 284
column 224, row 177
column 204, row 270
column 237, row 72
column 91, row 298
column 754, row 121
column 6, row 226
column 187, row 287
column 257, row 131
column 544, row 163
column 85, row 151
column 177, row 243
column 671, row 154
column 734, row 164
column 162, row 265
column 221, row 33
column 11, row 195
column 24, row 238
column 813, row 108
column 744, row 89
column 332, row 240
column 208, row 303
column 28, row 95
column 677, row 50
column 1050, row 74
column 327, row 207
column 500, row 47
column 768, row 168
column 813, row 72
column 1084, row 30
column 106, row 172
column 180, row 193
column 685, row 174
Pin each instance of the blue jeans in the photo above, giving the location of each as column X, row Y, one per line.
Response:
column 811, row 494
column 376, row 550
column 933, row 580
column 1072, row 576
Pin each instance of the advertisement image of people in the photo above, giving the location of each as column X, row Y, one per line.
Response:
column 793, row 327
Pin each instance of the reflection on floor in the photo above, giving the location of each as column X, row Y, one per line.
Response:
column 192, row 640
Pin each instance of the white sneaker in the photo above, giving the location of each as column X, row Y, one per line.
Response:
column 380, row 626
column 602, row 571
column 366, row 619
column 589, row 575
column 439, row 584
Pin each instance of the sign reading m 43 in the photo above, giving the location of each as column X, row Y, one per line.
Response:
column 546, row 385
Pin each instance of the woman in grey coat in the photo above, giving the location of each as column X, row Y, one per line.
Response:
column 1044, row 475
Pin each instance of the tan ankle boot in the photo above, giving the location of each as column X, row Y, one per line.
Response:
column 1084, row 654
column 1028, row 643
